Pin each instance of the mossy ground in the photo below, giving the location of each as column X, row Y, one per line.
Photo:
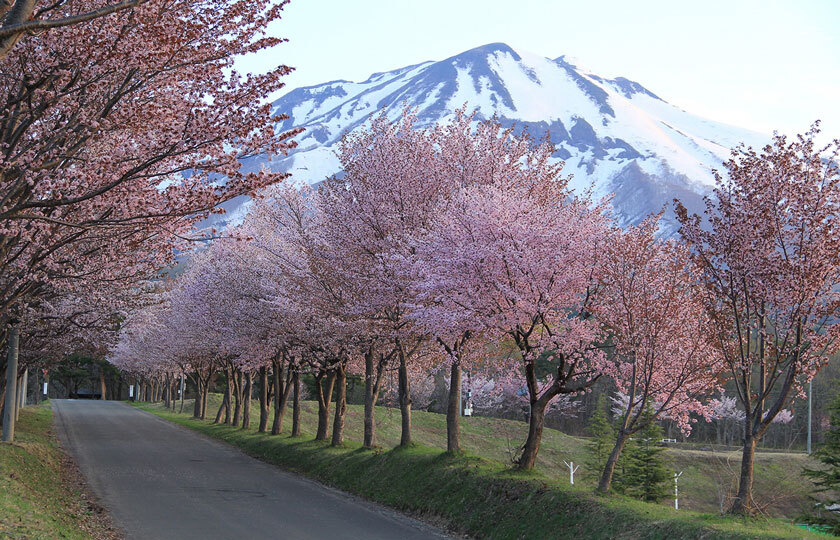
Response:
column 39, row 494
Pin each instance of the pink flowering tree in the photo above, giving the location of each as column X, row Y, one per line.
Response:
column 516, row 258
column 388, row 194
column 770, row 259
column 467, row 153
column 122, row 133
column 650, row 303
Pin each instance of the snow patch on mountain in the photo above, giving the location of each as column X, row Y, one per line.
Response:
column 614, row 135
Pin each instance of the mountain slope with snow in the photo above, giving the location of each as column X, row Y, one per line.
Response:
column 613, row 134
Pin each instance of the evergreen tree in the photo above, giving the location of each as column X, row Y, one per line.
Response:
column 827, row 477
column 644, row 473
column 603, row 439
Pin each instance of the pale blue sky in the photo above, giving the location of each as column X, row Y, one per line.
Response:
column 762, row 65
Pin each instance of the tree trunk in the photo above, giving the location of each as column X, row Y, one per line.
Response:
column 340, row 405
column 183, row 390
column 535, row 429
column 237, row 396
column 228, row 396
column 373, row 381
column 102, row 389
column 609, row 468
column 324, row 400
column 743, row 503
column 296, row 405
column 11, row 389
column 246, row 406
column 405, row 401
column 167, row 392
column 263, row 400
column 197, row 404
column 282, row 387
column 221, row 409
column 453, row 442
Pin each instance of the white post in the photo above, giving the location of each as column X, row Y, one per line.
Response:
column 131, row 390
column 676, row 491
column 45, row 388
column 572, row 471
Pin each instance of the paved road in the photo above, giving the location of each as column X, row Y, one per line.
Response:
column 163, row 481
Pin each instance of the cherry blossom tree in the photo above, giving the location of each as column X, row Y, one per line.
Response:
column 116, row 134
column 387, row 194
column 770, row 259
column 650, row 303
column 23, row 17
column 516, row 258
column 468, row 153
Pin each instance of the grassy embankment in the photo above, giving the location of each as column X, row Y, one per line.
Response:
column 480, row 495
column 39, row 498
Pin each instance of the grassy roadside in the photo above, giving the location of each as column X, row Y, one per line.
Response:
column 478, row 496
column 40, row 493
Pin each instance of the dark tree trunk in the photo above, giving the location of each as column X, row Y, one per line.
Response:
column 340, row 405
column 324, row 389
column 405, row 399
column 197, row 405
column 609, row 468
column 535, row 430
column 167, row 392
column 228, row 395
column 373, row 381
column 246, row 408
column 264, row 411
column 221, row 409
column 453, row 441
column 282, row 386
column 296, row 405
column 237, row 396
column 277, row 373
column 743, row 503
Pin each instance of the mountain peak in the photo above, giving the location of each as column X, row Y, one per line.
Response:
column 611, row 132
column 483, row 52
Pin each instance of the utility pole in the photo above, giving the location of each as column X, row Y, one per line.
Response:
column 810, row 401
column 11, row 385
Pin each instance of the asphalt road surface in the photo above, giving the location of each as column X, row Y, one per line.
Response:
column 161, row 481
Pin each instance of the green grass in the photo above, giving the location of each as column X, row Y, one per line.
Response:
column 478, row 493
column 36, row 501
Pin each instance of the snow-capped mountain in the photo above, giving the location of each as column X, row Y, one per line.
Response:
column 612, row 133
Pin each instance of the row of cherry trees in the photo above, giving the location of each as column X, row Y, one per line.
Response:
column 438, row 242
column 118, row 135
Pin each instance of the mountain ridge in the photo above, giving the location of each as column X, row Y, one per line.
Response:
column 614, row 134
